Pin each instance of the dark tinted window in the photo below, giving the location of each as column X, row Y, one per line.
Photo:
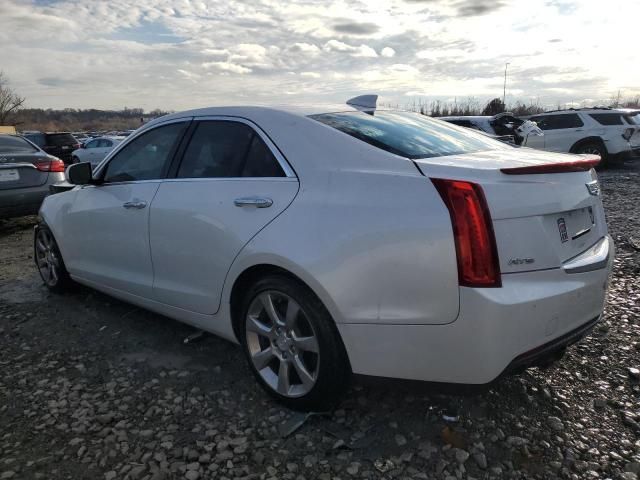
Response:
column 633, row 119
column 227, row 149
column 146, row 157
column 607, row 118
column 557, row 122
column 260, row 162
column 104, row 143
column 408, row 134
column 37, row 138
column 59, row 139
column 9, row 144
column 461, row 123
column 92, row 144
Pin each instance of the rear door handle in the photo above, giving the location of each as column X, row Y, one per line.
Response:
column 257, row 202
column 137, row 204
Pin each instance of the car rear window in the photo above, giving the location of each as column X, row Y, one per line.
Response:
column 633, row 119
column 607, row 118
column 59, row 139
column 407, row 134
column 9, row 144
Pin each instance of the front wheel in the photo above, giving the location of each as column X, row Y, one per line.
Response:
column 49, row 260
column 292, row 345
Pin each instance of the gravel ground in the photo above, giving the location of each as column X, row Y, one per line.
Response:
column 92, row 388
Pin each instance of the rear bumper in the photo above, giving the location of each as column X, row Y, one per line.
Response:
column 498, row 329
column 26, row 201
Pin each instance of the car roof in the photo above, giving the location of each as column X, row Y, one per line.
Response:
column 248, row 111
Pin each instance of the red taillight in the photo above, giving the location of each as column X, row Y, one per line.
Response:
column 473, row 232
column 55, row 165
column 563, row 167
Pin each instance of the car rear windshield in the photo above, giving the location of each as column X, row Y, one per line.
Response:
column 9, row 144
column 409, row 135
column 59, row 139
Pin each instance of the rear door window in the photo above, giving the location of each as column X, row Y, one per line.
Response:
column 221, row 149
column 607, row 118
column 558, row 122
column 409, row 135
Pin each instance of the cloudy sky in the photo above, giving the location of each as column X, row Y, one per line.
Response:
column 176, row 54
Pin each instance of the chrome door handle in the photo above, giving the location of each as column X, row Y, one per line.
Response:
column 253, row 202
column 137, row 204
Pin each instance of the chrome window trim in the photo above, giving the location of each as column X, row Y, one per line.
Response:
column 284, row 164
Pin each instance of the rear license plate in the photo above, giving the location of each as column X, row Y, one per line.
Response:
column 65, row 147
column 9, row 175
column 575, row 224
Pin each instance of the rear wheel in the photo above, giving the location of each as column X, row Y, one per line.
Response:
column 292, row 344
column 75, row 159
column 49, row 261
column 594, row 148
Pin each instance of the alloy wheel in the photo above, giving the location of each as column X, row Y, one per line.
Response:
column 47, row 258
column 282, row 344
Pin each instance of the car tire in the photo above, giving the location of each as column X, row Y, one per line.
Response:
column 595, row 148
column 292, row 344
column 49, row 262
column 75, row 159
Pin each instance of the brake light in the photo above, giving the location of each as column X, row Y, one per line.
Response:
column 475, row 241
column 562, row 167
column 55, row 165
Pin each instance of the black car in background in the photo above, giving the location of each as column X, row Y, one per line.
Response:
column 57, row 144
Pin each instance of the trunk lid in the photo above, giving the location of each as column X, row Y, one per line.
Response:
column 18, row 170
column 540, row 220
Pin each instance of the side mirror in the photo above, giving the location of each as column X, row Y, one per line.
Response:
column 79, row 173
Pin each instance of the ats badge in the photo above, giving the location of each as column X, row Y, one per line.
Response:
column 562, row 228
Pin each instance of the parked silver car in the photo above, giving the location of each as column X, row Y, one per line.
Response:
column 26, row 171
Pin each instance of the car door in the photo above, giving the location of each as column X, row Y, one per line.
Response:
column 88, row 153
column 104, row 147
column 229, row 183
column 107, row 224
column 561, row 131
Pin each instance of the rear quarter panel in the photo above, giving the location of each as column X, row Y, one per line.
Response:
column 375, row 247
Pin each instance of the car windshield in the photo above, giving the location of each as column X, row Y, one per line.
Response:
column 409, row 135
column 59, row 139
column 10, row 144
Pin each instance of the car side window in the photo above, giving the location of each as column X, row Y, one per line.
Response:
column 220, row 149
column 92, row 144
column 260, row 162
column 558, row 122
column 146, row 157
column 104, row 143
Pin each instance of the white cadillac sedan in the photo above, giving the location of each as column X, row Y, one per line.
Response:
column 336, row 240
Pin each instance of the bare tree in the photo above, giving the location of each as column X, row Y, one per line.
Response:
column 10, row 101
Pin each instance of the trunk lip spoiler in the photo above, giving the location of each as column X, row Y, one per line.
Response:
column 582, row 165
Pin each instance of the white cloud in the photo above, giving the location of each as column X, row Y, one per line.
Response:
column 388, row 52
column 227, row 67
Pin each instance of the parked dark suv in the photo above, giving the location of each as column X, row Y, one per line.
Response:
column 57, row 144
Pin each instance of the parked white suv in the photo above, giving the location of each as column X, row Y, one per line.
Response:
column 610, row 133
